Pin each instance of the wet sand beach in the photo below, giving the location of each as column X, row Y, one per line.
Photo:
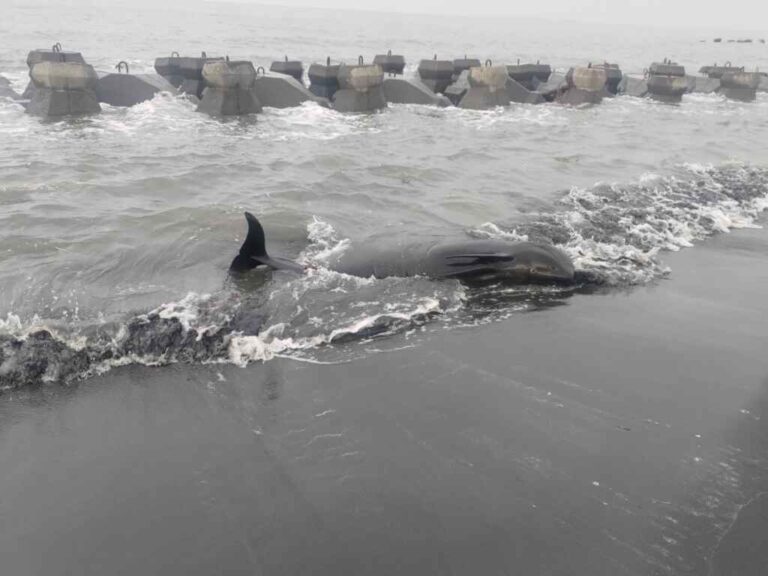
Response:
column 622, row 432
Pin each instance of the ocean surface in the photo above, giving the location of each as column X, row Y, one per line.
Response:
column 105, row 219
column 366, row 426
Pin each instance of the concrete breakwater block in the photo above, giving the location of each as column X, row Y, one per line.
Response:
column 666, row 68
column 613, row 76
column 393, row 64
column 229, row 89
column 520, row 94
column 578, row 97
column 458, row 88
column 631, row 86
column 667, row 88
column 487, row 88
column 717, row 72
column 63, row 89
column 585, row 85
column 54, row 54
column 740, row 85
column 282, row 91
column 6, row 91
column 324, row 79
column 667, row 81
column 555, row 85
column 589, row 79
column 170, row 69
column 530, row 76
column 293, row 68
column 185, row 72
column 436, row 74
column 360, row 88
column 461, row 64
column 126, row 89
column 401, row 91
column 702, row 85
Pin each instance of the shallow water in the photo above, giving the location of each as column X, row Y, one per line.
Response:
column 107, row 218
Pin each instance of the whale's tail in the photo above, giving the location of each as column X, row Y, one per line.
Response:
column 253, row 252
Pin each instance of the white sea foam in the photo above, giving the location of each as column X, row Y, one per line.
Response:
column 619, row 230
column 274, row 341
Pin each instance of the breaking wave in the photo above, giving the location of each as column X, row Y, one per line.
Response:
column 615, row 234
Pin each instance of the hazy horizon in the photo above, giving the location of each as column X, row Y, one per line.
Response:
column 716, row 19
column 737, row 15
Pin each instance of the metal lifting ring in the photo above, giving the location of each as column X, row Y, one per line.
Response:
column 360, row 60
column 175, row 55
column 263, row 72
column 488, row 63
column 120, row 65
column 56, row 47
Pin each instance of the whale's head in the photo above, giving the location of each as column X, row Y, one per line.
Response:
column 544, row 263
column 482, row 261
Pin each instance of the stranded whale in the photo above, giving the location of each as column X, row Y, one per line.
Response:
column 468, row 260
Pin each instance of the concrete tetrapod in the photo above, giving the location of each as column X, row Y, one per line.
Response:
column 717, row 72
column 401, row 91
column 631, row 86
column 458, row 88
column 702, row 84
column 55, row 54
column 393, row 64
column 130, row 89
column 282, row 91
column 530, row 76
column 293, row 68
column 554, row 86
column 461, row 64
column 666, row 68
column 667, row 81
column 229, row 89
column 740, row 85
column 360, row 88
column 436, row 74
column 170, row 69
column 487, row 88
column 613, row 76
column 585, row 85
column 324, row 79
column 519, row 93
column 63, row 89
column 6, row 90
column 185, row 72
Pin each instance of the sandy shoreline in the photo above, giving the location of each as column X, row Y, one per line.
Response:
column 621, row 433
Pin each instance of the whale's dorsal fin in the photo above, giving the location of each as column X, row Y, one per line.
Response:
column 253, row 252
column 255, row 245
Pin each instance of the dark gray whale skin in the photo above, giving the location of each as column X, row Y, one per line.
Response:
column 471, row 261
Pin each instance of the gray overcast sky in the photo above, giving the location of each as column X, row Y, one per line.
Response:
column 730, row 14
